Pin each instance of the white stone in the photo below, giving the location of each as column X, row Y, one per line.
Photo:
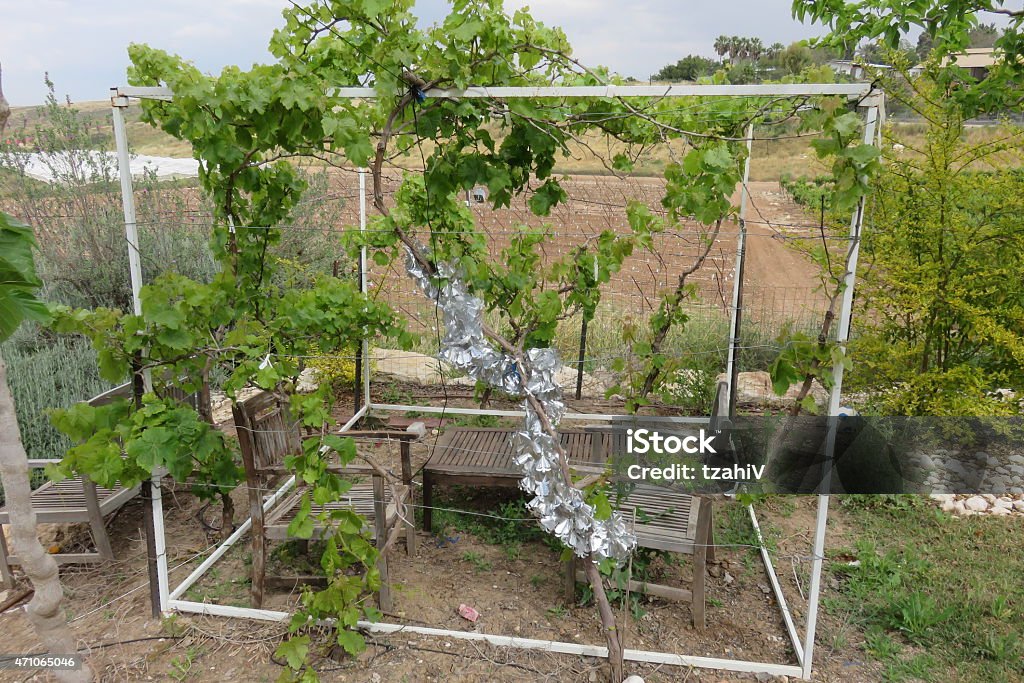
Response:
column 1018, row 505
column 633, row 679
column 308, row 381
column 976, row 504
column 999, row 511
column 958, row 507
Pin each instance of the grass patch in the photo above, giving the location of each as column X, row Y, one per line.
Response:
column 938, row 598
column 496, row 518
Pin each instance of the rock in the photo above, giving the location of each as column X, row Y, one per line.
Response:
column 924, row 462
column 375, row 677
column 633, row 679
column 407, row 366
column 999, row 511
column 308, row 381
column 949, row 506
column 756, row 387
column 727, row 579
column 976, row 504
column 1018, row 505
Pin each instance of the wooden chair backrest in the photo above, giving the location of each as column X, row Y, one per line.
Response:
column 266, row 432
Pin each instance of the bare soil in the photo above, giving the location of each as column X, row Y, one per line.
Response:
column 517, row 594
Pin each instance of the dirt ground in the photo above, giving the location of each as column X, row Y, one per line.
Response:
column 520, row 597
column 517, row 594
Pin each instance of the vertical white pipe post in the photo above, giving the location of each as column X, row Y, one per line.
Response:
column 731, row 367
column 842, row 336
column 363, row 280
column 131, row 230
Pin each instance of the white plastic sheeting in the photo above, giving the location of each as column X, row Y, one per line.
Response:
column 82, row 166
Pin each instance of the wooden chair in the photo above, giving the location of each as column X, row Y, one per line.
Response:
column 266, row 434
column 662, row 518
column 74, row 500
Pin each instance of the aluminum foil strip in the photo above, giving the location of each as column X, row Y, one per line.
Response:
column 558, row 505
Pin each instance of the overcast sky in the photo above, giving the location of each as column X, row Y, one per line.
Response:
column 82, row 44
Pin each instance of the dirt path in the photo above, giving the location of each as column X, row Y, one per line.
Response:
column 780, row 282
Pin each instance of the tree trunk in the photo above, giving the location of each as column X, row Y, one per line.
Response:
column 5, row 108
column 44, row 611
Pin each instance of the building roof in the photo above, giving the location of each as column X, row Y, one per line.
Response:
column 974, row 58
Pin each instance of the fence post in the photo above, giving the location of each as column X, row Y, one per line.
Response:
column 732, row 365
column 357, row 389
column 156, row 544
column 583, row 353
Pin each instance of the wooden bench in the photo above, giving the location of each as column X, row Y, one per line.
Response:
column 666, row 519
column 74, row 500
column 472, row 456
column 266, row 435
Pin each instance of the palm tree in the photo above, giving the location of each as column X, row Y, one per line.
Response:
column 735, row 47
column 721, row 45
column 755, row 48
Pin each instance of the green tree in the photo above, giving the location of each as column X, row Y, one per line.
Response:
column 246, row 126
column 795, row 58
column 689, row 68
column 948, row 27
column 984, row 35
column 943, row 296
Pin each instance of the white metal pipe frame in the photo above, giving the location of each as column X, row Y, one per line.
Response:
column 170, row 599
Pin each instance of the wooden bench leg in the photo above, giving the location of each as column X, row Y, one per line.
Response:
column 96, row 525
column 428, row 502
column 700, row 553
column 712, row 556
column 381, row 534
column 259, row 549
column 410, row 526
column 6, row 578
column 569, row 578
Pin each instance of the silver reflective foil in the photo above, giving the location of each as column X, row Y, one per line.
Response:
column 557, row 504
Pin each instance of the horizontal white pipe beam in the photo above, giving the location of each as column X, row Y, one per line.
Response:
column 779, row 89
column 509, row 641
column 593, row 417
column 796, row 89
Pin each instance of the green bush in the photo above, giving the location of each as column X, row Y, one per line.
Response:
column 809, row 192
column 54, row 376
